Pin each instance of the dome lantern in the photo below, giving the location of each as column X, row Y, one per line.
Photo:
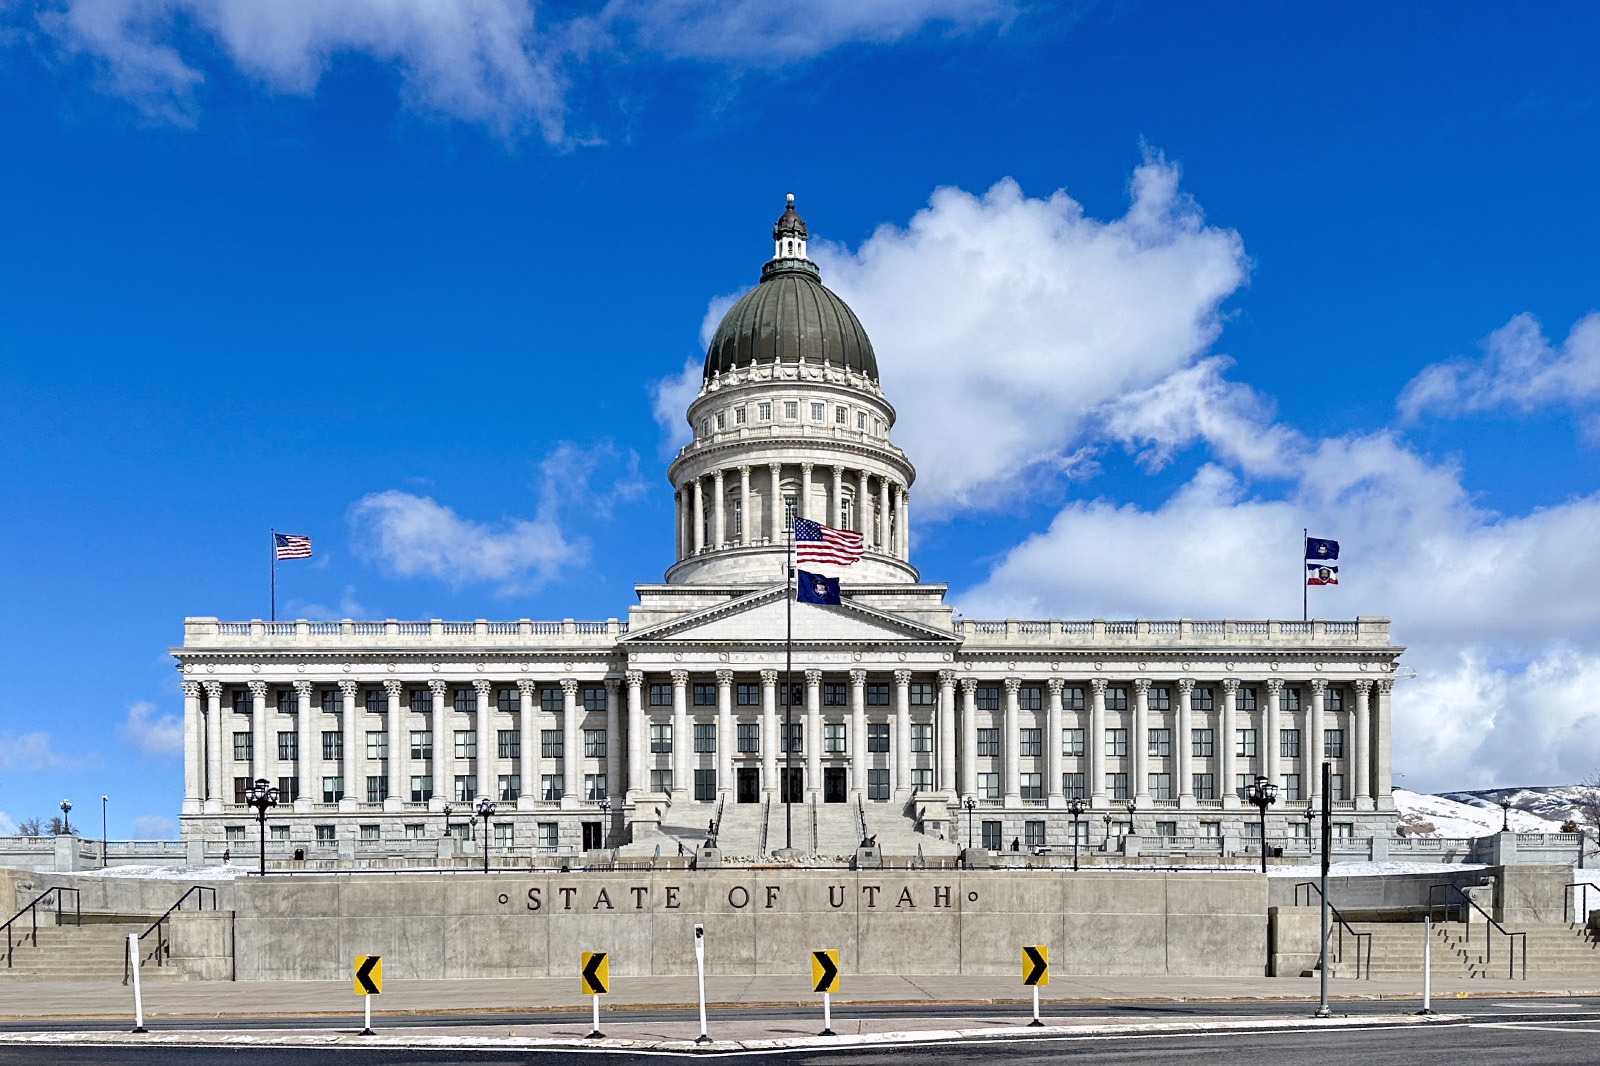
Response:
column 789, row 234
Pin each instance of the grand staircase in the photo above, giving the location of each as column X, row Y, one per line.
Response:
column 94, row 951
column 1396, row 951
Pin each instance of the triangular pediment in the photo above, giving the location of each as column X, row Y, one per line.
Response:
column 762, row 618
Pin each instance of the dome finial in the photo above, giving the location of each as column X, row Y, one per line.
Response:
column 789, row 234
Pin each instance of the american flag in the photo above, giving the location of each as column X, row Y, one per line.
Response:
column 817, row 543
column 291, row 547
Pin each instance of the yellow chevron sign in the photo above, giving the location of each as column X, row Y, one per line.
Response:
column 595, row 976
column 369, row 975
column 1036, row 965
column 825, row 971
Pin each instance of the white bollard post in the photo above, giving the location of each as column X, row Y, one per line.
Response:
column 596, row 1014
column 1427, row 965
column 138, row 996
column 700, row 970
column 827, row 1014
column 367, row 1023
column 1036, row 1020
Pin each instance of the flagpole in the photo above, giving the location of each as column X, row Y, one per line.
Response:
column 1305, row 588
column 272, row 565
column 788, row 693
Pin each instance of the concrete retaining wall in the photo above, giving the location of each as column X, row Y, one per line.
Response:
column 766, row 922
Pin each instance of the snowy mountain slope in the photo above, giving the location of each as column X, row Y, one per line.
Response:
column 1557, row 802
column 1450, row 817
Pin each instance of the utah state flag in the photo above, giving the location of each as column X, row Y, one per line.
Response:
column 816, row 588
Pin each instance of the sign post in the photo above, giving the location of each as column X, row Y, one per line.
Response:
column 138, row 997
column 700, row 970
column 1036, row 972
column 825, row 979
column 369, row 983
column 595, row 980
column 1427, row 965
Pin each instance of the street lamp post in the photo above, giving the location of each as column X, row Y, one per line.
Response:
column 1309, row 815
column 971, row 805
column 66, row 822
column 1106, row 847
column 486, row 811
column 1263, row 793
column 1505, row 816
column 263, row 796
column 103, row 800
column 605, row 819
column 1075, row 808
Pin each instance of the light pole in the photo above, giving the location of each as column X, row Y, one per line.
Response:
column 1075, row 808
column 66, row 823
column 1505, row 816
column 971, row 805
column 447, row 810
column 605, row 819
column 263, row 796
column 103, row 799
column 1263, row 794
column 486, row 811
column 1309, row 815
column 1106, row 847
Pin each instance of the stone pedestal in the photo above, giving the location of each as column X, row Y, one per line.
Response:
column 1130, row 845
column 707, row 858
column 975, row 858
column 868, row 859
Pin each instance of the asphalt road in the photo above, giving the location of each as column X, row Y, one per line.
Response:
column 1545, row 1042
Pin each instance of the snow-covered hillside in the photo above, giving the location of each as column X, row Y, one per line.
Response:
column 1452, row 818
column 1558, row 802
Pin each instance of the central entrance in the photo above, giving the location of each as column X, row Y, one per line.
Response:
column 748, row 782
column 833, row 790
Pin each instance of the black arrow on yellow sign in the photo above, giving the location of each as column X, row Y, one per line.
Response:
column 825, row 971
column 1035, row 966
column 595, row 973
column 369, row 982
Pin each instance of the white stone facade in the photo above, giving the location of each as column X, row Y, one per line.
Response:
column 374, row 727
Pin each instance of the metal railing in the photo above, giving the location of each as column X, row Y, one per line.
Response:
column 766, row 815
column 13, row 937
column 163, row 948
column 1575, row 907
column 1512, row 939
column 861, row 817
column 1363, row 940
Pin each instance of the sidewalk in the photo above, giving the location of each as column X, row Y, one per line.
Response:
column 21, row 1000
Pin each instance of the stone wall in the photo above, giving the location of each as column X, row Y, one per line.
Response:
column 757, row 922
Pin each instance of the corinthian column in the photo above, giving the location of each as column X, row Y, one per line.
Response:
column 946, row 741
column 1096, row 743
column 719, row 518
column 527, row 746
column 746, row 519
column 903, row 507
column 194, row 749
column 571, row 745
column 305, row 737
column 725, row 741
column 805, row 490
column 769, row 731
column 682, row 739
column 1008, row 739
column 775, row 507
column 883, row 516
column 1383, row 785
column 214, row 783
column 638, row 739
column 1185, row 742
column 1055, row 797
column 858, row 734
column 349, row 766
column 1362, row 728
column 1228, row 741
column 1273, row 771
column 1139, row 742
column 395, row 769
column 836, row 501
column 260, row 764
column 699, row 530
column 969, row 736
column 813, row 741
column 1313, row 752
column 902, row 735
column 862, row 526
column 444, row 750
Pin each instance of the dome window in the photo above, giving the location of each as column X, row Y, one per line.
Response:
column 722, row 420
column 861, row 420
column 791, row 409
column 705, row 427
column 840, row 415
column 738, row 416
column 764, row 412
column 818, row 412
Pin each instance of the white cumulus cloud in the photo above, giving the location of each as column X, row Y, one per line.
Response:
column 1520, row 371
column 33, row 750
column 153, row 733
column 154, row 827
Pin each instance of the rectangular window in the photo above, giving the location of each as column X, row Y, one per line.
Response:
column 1289, row 743
column 1291, row 699
column 1160, row 786
column 1072, row 742
column 922, row 738
column 326, row 834
column 286, row 702
column 1341, row 830
column 764, row 411
column 332, row 702
column 705, row 737
column 508, row 743
column 878, row 737
column 747, row 694
column 1116, row 698
column 705, row 784
column 1247, row 699
column 333, row 746
column 550, row 835
column 861, row 420
column 422, row 788
column 661, row 738
column 465, row 699
column 921, row 693
column 989, row 742
column 833, row 694
column 661, row 695
column 288, row 747
column 1117, row 786
column 796, row 696
column 376, row 703
column 1166, row 829
column 552, row 744
column 1335, row 699
column 419, row 699
column 377, row 744
column 377, row 788
column 749, row 734
column 1242, row 782
column 818, row 412
column 1336, row 786
column 243, row 748
column 921, row 779
column 1116, row 742
column 502, row 834
column 1291, row 788
column 833, row 737
column 791, row 409
column 1203, row 699
column 1028, row 742
column 1205, row 787
column 288, row 789
column 466, row 744
column 792, row 737
column 704, row 695
column 332, row 789
column 1333, row 743
column 660, row 780
column 594, row 743
column 240, row 786
column 466, row 788
column 1160, row 698
column 416, row 831
column 877, row 694
column 1245, row 743
column 551, row 788
column 1072, row 698
column 841, row 416
column 279, row 832
column 552, row 699
column 508, row 699
column 1072, row 786
column 1202, row 744
column 1210, row 830
column 1033, row 834
column 1160, row 741
column 422, row 743
column 1031, row 786
column 877, row 784
column 738, row 416
column 1030, row 698
column 993, row 837
column 989, row 786
column 594, row 697
column 988, row 697
column 594, row 787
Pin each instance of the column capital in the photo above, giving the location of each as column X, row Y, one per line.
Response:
column 440, row 689
column 258, row 689
column 813, row 678
column 213, row 689
column 838, row 470
column 902, row 678
column 724, row 678
column 1141, row 685
column 613, row 686
column 1362, row 686
column 716, row 475
column 1055, row 685
column 484, row 686
column 302, row 690
column 680, row 678
column 1013, row 685
column 947, row 678
column 347, row 689
column 776, row 468
column 1385, row 685
column 393, row 686
column 191, row 690
column 1319, row 685
column 1230, row 684
column 1099, row 685
column 569, row 686
column 805, row 468
column 858, row 678
column 527, row 686
column 1274, row 684
column 744, row 470
column 969, row 685
column 634, row 678
column 1185, row 685
column 769, row 678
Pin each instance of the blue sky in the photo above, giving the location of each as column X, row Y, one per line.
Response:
column 1153, row 286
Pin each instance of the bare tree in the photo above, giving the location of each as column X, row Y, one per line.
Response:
column 57, row 826
column 30, row 827
column 1588, row 802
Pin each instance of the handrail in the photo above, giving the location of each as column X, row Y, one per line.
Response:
column 32, row 909
column 1488, row 943
column 861, row 815
column 816, row 833
column 1362, row 939
column 1569, row 902
column 163, row 946
column 716, row 823
column 766, row 813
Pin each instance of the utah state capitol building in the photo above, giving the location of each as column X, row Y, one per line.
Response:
column 639, row 733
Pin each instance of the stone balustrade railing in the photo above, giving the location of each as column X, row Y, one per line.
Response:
column 1366, row 631
column 393, row 632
